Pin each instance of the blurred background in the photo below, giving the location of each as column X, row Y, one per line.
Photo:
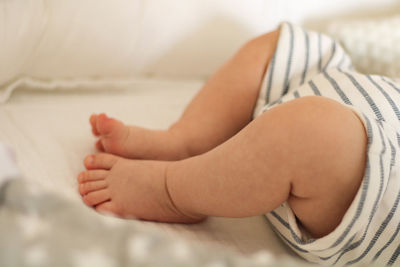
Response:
column 172, row 39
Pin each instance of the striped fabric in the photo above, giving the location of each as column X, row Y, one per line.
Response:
column 308, row 64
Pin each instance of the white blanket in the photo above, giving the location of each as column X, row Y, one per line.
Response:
column 51, row 135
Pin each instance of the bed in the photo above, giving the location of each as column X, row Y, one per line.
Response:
column 50, row 89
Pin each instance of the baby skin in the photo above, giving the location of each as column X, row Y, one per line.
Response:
column 217, row 161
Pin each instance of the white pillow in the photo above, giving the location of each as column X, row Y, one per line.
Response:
column 64, row 39
column 51, row 44
column 70, row 43
column 373, row 44
column 83, row 43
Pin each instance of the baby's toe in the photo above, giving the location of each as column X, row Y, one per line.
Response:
column 100, row 161
column 105, row 125
column 111, row 128
column 96, row 197
column 93, row 123
column 86, row 188
column 99, row 145
column 93, row 175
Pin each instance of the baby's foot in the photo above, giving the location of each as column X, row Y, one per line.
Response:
column 113, row 134
column 129, row 189
column 135, row 142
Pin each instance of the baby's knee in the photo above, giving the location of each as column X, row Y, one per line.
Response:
column 327, row 163
column 327, row 141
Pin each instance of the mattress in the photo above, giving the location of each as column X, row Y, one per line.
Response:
column 49, row 130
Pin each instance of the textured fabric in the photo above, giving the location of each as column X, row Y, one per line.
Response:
column 308, row 64
column 50, row 134
column 372, row 44
column 59, row 44
column 40, row 228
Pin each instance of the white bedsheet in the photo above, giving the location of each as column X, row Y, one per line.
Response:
column 51, row 135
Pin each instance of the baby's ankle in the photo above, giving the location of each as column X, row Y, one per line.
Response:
column 177, row 208
column 157, row 144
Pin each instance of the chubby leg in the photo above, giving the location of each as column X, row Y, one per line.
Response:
column 129, row 189
column 135, row 142
column 310, row 152
column 209, row 119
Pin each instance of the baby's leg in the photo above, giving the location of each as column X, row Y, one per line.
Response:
column 310, row 152
column 135, row 142
column 221, row 108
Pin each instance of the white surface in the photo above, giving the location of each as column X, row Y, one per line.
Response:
column 53, row 41
column 84, row 39
column 373, row 44
column 51, row 135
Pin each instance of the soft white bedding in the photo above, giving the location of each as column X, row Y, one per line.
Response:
column 51, row 135
column 119, row 41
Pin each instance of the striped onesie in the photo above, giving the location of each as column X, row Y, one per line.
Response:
column 306, row 63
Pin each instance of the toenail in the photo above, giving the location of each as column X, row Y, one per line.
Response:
column 80, row 177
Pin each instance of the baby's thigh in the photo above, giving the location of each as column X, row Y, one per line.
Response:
column 331, row 170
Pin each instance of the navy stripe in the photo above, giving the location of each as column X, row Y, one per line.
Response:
column 398, row 138
column 279, row 218
column 270, row 76
column 388, row 243
column 289, row 60
column 294, row 246
column 364, row 188
column 391, row 84
column 314, row 88
column 307, row 55
column 319, row 52
column 332, row 55
column 338, row 251
column 393, row 159
column 287, row 226
column 379, row 232
column 394, row 256
column 388, row 98
column 380, row 236
column 374, row 207
column 365, row 94
column 273, row 103
column 337, row 88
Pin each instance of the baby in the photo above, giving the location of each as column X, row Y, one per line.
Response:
column 286, row 128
